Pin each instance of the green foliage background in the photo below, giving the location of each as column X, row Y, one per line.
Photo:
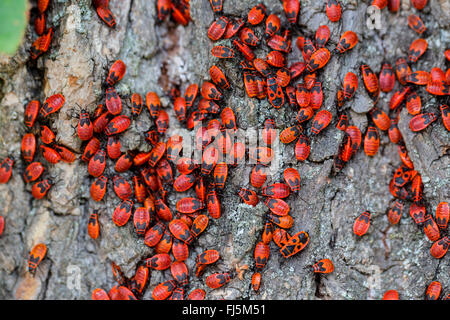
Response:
column 13, row 21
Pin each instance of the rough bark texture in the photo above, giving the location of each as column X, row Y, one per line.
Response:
column 388, row 257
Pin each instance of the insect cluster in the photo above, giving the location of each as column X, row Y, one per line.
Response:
column 165, row 169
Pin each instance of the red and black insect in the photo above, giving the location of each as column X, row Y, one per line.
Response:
column 223, row 52
column 93, row 227
column 440, row 248
column 291, row 9
column 394, row 133
column 322, row 36
column 442, row 215
column 98, row 188
column 417, row 49
column 113, row 147
column 362, row 224
column 51, row 155
column 323, row 266
column 41, row 44
column 122, row 213
column 124, row 163
column 249, row 196
column 189, row 205
column 31, row 112
column 162, row 210
column 258, row 176
column 141, row 220
column 276, row 190
column 66, row 154
column 318, row 59
column 356, row 137
column 42, row 5
column 256, row 281
column 290, row 92
column 380, row 4
column 370, row 81
column 248, row 37
column 199, row 225
column 421, row 121
column 162, row 122
column 267, row 234
column 292, row 178
column 153, row 104
column 308, row 49
column 419, row 77
column 137, row 104
column 256, row 14
column 415, row 23
column 139, row 281
column 303, row 96
column 85, row 128
column 210, row 92
column 273, row 24
column 290, row 134
column 6, row 170
column 163, row 290
column 430, row 228
column 333, row 10
column 233, row 27
column 280, row 237
column 445, row 114
column 31, row 173
column 40, row 188
column 244, row 50
column 395, row 212
column 261, row 253
column 159, row 261
column 433, row 290
column 154, row 234
column 180, row 231
column 180, row 250
column 180, row 272
column 117, row 125
column 386, row 78
column 413, row 103
column 112, row 101
column 417, row 212
column 164, row 171
column 263, row 155
column 348, row 40
column 342, row 123
column 217, row 280
column 394, row 6
column 398, row 98
column 217, row 28
column 106, row 15
column 279, row 43
column 52, row 105
column 350, row 85
column 275, row 92
column 277, row 206
column 321, row 121
column 216, row 5
column 97, row 163
column 100, row 294
column 371, row 141
column 37, row 254
column 297, row 68
column 295, row 244
column 218, row 77
column 304, row 114
column 116, row 72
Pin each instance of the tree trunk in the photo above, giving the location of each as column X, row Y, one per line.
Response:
column 160, row 55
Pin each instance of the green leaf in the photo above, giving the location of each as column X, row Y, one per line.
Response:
column 13, row 21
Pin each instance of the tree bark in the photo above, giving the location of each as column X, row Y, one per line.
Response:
column 159, row 55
